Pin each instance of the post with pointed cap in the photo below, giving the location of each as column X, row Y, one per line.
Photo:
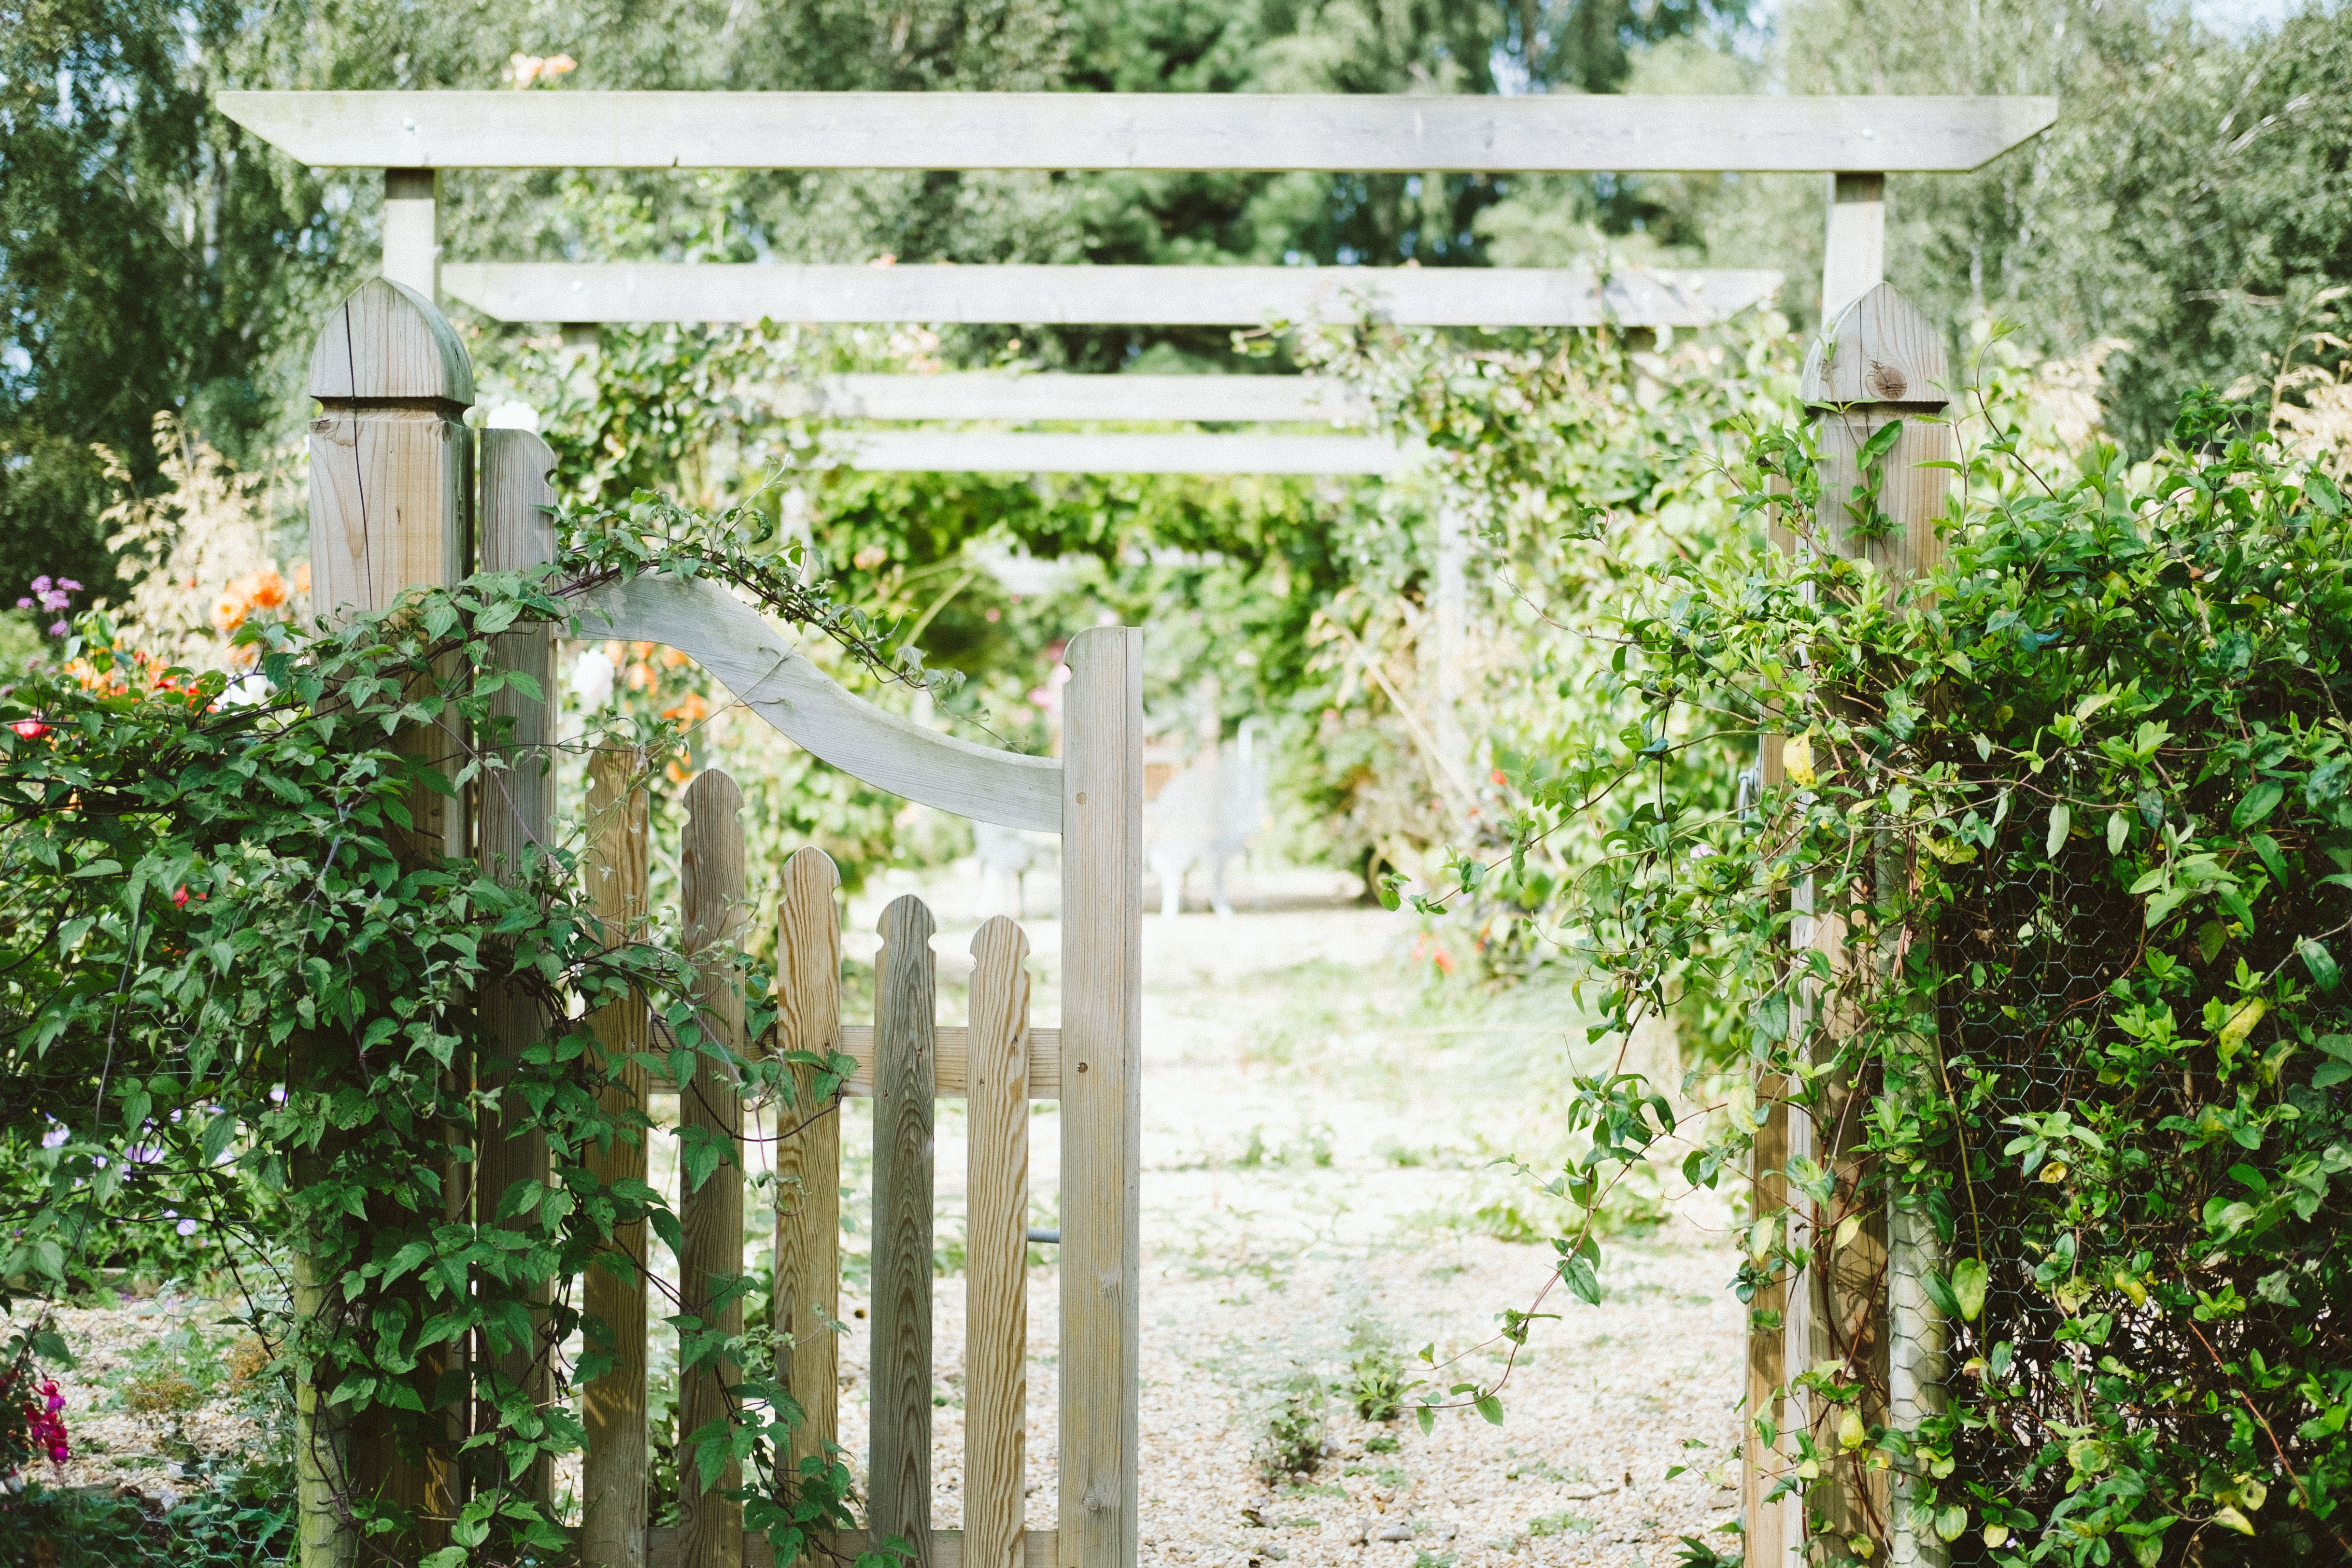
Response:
column 391, row 508
column 1875, row 385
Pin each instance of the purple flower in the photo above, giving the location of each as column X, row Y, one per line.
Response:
column 41, row 584
column 57, row 1134
column 69, row 585
column 278, row 1094
column 24, row 604
column 187, row 1227
column 59, row 628
column 142, row 1154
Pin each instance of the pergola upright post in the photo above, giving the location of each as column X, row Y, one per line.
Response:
column 412, row 230
column 1854, row 261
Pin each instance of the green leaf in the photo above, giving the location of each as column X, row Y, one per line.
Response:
column 2259, row 803
column 1970, row 1278
column 1881, row 443
column 2062, row 818
column 2118, row 829
column 1492, row 1408
column 2319, row 961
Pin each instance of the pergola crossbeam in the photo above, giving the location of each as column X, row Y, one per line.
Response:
column 1108, row 452
column 1100, row 296
column 1056, row 131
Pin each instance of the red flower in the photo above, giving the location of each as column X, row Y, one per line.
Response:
column 179, row 899
column 30, row 729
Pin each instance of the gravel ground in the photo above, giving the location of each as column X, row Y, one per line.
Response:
column 1320, row 1126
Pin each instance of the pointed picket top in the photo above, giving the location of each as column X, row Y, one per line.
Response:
column 1881, row 351
column 387, row 341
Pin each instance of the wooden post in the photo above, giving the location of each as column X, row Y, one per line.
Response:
column 391, row 497
column 1102, row 1086
column 1854, row 261
column 905, row 1085
column 1450, row 615
column 711, row 1216
column 614, row 1406
column 996, row 1267
column 1879, row 362
column 808, row 1156
column 517, row 806
column 412, row 231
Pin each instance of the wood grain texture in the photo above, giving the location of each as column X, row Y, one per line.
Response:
column 515, row 809
column 388, row 339
column 807, row 1301
column 1057, row 395
column 1105, row 452
column 953, row 1043
column 1881, row 361
column 1766, row 1358
column 711, row 1216
column 1412, row 135
column 412, row 230
column 1108, row 295
column 757, row 661
column 1102, row 1115
column 614, row 1406
column 996, row 1266
column 391, row 508
column 947, row 1549
column 1854, row 260
column 898, row 1473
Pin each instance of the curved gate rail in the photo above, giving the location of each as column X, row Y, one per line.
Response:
column 393, row 504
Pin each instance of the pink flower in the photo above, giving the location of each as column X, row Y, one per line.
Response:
column 179, row 899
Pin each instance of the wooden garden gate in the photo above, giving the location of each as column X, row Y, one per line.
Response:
column 398, row 499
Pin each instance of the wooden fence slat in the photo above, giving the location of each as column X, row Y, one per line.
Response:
column 517, row 805
column 898, row 1473
column 613, row 1478
column 996, row 1271
column 1102, row 1108
column 808, row 1160
column 953, row 1076
column 711, row 1216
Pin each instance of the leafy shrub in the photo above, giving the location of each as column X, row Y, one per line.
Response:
column 1290, row 1428
column 1376, row 1380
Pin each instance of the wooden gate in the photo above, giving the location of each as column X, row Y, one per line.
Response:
column 395, row 502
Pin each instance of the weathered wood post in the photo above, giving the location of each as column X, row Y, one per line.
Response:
column 516, row 810
column 390, row 494
column 711, row 1106
column 996, row 1271
column 808, row 1156
column 1880, row 364
column 906, row 1088
column 1102, row 1088
column 613, row 1408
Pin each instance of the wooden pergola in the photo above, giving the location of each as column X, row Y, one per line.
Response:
column 1852, row 142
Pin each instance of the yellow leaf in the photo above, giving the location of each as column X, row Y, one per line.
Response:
column 1853, row 1433
column 2241, row 1023
column 1796, row 759
column 1862, row 1546
column 2230, row 1518
column 1847, row 1229
column 2054, row 1172
column 1996, row 1535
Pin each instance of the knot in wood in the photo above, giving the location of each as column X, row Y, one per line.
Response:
column 1885, row 382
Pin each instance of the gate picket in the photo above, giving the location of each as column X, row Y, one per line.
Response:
column 997, row 1250
column 711, row 1216
column 899, row 1474
column 807, row 1301
column 614, row 1406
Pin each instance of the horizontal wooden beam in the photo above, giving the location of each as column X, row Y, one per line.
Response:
column 664, row 1548
column 759, row 664
column 1023, row 294
column 1105, row 452
column 1564, row 133
column 953, row 1044
column 1054, row 395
